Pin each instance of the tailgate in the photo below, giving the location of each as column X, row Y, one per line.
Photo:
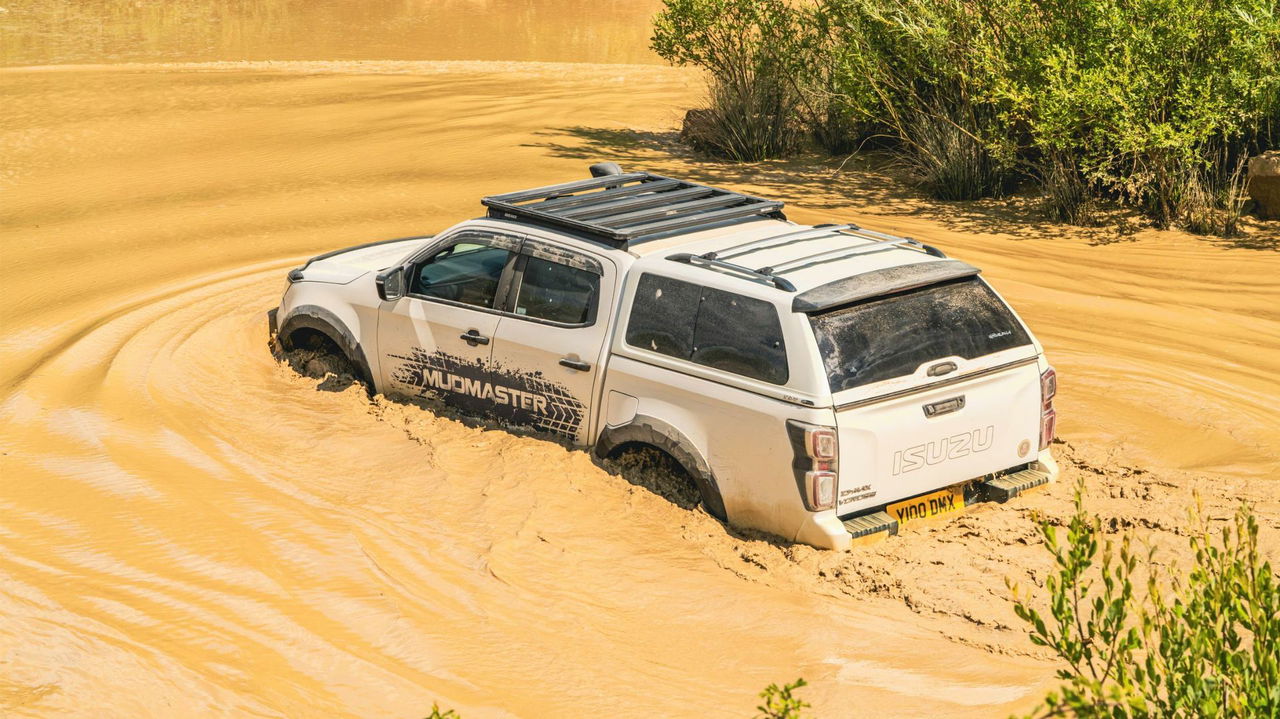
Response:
column 932, row 386
column 905, row 445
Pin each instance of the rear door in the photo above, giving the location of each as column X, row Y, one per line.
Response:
column 439, row 338
column 932, row 387
column 551, row 345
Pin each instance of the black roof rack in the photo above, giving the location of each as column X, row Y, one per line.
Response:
column 620, row 208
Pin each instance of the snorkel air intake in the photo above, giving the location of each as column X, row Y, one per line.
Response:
column 601, row 169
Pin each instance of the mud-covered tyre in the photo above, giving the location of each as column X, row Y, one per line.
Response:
column 652, row 432
column 655, row 470
column 302, row 327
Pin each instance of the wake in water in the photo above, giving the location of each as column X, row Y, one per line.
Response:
column 187, row 523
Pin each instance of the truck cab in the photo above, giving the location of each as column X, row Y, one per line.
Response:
column 823, row 383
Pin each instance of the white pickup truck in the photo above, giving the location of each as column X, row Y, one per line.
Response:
column 823, row 383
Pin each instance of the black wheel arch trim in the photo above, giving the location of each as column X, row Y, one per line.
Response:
column 326, row 323
column 654, row 432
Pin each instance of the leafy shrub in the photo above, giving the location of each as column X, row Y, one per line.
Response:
column 1066, row 192
column 945, row 159
column 1158, row 99
column 1206, row 644
column 781, row 703
column 1153, row 103
column 446, row 714
column 908, row 70
column 753, row 113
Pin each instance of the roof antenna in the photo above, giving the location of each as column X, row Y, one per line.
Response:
column 601, row 169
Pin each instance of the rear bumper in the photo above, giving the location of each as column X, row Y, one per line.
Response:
column 827, row 531
column 1001, row 489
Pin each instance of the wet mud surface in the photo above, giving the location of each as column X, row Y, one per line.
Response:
column 188, row 526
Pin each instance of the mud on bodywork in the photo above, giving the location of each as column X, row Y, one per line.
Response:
column 522, row 398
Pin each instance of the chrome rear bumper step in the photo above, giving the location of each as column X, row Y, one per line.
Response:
column 1002, row 489
column 870, row 524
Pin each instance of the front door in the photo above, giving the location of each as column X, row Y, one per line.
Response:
column 439, row 337
column 552, row 342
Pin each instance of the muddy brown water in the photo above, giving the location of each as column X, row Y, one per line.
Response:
column 189, row 528
column 68, row 31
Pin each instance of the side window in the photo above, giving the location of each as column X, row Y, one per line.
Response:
column 662, row 316
column 556, row 292
column 467, row 272
column 710, row 327
column 741, row 335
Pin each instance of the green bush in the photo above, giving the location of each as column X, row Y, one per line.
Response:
column 1159, row 100
column 780, row 702
column 1203, row 644
column 753, row 113
column 911, row 71
column 1153, row 103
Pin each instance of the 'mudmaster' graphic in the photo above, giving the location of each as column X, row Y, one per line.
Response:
column 520, row 397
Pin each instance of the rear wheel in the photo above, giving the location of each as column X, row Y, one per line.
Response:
column 655, row 470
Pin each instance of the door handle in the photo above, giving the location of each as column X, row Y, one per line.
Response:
column 575, row 364
column 473, row 338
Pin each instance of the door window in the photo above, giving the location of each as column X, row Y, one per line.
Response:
column 558, row 293
column 467, row 272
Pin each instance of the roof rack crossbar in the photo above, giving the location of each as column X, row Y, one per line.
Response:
column 539, row 193
column 764, row 243
column 592, row 198
column 708, row 260
column 626, row 204
column 679, row 209
column 618, row 209
column 758, row 207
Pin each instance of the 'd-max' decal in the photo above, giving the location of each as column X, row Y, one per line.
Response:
column 519, row 397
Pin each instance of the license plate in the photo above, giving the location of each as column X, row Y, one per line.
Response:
column 944, row 501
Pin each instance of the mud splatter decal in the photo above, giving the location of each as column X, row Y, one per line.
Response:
column 525, row 398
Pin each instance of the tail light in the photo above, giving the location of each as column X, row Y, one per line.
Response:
column 821, row 443
column 822, row 489
column 1048, row 417
column 816, row 450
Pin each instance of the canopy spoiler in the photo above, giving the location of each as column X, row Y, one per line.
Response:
column 880, row 282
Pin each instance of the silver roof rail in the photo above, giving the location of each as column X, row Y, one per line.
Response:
column 771, row 275
column 847, row 252
column 809, row 233
column 709, row 261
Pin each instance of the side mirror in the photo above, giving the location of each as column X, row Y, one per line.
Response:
column 390, row 283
